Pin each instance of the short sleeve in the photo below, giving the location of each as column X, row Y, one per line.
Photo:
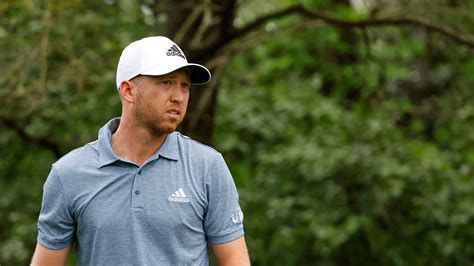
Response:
column 56, row 225
column 224, row 218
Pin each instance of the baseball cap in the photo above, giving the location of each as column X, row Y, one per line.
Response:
column 156, row 56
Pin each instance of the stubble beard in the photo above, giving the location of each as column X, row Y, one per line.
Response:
column 152, row 122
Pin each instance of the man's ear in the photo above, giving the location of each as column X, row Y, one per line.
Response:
column 127, row 91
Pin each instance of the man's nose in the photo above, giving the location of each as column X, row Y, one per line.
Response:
column 177, row 94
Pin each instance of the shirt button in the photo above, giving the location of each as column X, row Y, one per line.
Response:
column 137, row 192
column 140, row 172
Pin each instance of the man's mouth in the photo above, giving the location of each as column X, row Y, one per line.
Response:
column 173, row 112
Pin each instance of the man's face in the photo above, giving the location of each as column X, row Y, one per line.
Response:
column 161, row 101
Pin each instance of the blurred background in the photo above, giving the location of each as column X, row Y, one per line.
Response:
column 347, row 124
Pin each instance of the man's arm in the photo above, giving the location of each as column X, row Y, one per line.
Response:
column 231, row 253
column 53, row 257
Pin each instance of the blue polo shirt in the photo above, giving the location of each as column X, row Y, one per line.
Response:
column 163, row 212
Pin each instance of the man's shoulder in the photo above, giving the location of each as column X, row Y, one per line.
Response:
column 79, row 157
column 194, row 146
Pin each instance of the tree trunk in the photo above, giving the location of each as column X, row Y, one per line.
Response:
column 197, row 26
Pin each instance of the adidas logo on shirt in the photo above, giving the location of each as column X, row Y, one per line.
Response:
column 179, row 196
column 174, row 51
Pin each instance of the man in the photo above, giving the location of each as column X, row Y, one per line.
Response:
column 143, row 194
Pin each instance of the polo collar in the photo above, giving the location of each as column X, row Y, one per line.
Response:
column 106, row 154
column 168, row 149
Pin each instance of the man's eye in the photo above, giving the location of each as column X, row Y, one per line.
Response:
column 166, row 82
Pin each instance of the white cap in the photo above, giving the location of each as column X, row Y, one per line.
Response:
column 156, row 56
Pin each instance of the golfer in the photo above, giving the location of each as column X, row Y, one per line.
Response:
column 142, row 193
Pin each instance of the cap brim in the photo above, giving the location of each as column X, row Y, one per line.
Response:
column 198, row 73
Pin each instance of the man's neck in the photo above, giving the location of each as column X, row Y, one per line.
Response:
column 134, row 143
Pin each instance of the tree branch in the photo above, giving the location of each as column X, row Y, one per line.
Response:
column 40, row 141
column 342, row 23
column 188, row 22
column 463, row 39
column 206, row 22
column 44, row 44
column 228, row 17
column 255, row 38
column 209, row 92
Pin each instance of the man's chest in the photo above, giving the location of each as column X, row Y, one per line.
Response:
column 159, row 197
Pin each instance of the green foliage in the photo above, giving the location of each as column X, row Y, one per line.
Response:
column 349, row 147
column 379, row 176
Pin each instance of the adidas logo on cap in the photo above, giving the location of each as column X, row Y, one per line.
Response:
column 174, row 51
